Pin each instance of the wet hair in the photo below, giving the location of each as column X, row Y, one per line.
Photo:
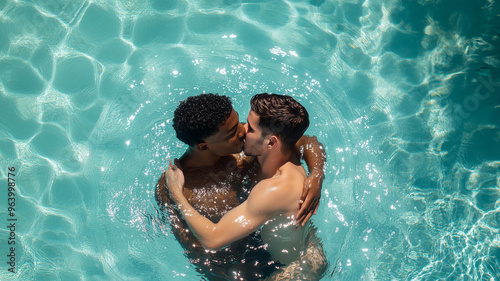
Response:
column 282, row 116
column 199, row 117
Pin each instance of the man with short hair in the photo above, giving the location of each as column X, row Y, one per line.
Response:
column 217, row 180
column 274, row 125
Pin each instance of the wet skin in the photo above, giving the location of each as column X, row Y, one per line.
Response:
column 229, row 139
column 213, row 189
column 216, row 189
column 271, row 204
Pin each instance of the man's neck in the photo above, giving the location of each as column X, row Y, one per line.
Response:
column 192, row 158
column 272, row 161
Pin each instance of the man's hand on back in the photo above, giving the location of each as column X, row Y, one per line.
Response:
column 309, row 200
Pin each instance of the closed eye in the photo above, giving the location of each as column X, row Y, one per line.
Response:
column 231, row 135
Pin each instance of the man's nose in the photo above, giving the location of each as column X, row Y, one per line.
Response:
column 242, row 132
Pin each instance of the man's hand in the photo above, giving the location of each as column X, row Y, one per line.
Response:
column 174, row 179
column 309, row 200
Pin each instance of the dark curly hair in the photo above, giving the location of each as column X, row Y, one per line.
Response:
column 199, row 117
column 282, row 116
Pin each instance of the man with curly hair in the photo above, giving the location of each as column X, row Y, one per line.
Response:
column 218, row 178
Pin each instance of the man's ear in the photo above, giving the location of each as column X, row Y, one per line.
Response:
column 202, row 147
column 273, row 141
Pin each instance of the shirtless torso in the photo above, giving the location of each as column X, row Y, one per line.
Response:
column 280, row 229
column 296, row 248
column 213, row 192
column 270, row 208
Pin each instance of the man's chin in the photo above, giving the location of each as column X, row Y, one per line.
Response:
column 247, row 152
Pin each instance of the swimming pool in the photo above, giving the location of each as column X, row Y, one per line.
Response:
column 404, row 95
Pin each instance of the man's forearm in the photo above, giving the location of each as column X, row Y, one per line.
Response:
column 313, row 154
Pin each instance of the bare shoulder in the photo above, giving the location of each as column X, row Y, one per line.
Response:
column 281, row 192
column 292, row 171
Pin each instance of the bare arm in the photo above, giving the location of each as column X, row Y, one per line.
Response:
column 180, row 228
column 314, row 155
column 236, row 224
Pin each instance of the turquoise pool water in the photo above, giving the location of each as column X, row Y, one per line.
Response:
column 403, row 94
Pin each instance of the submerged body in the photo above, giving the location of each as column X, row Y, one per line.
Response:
column 271, row 207
column 296, row 248
column 306, row 261
column 280, row 229
column 213, row 192
column 215, row 182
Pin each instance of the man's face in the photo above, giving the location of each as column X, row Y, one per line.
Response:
column 254, row 140
column 230, row 137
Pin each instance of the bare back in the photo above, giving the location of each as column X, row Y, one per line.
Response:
column 297, row 248
column 284, row 240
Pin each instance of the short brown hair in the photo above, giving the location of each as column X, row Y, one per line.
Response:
column 282, row 116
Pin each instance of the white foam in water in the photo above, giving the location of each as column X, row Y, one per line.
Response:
column 404, row 97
